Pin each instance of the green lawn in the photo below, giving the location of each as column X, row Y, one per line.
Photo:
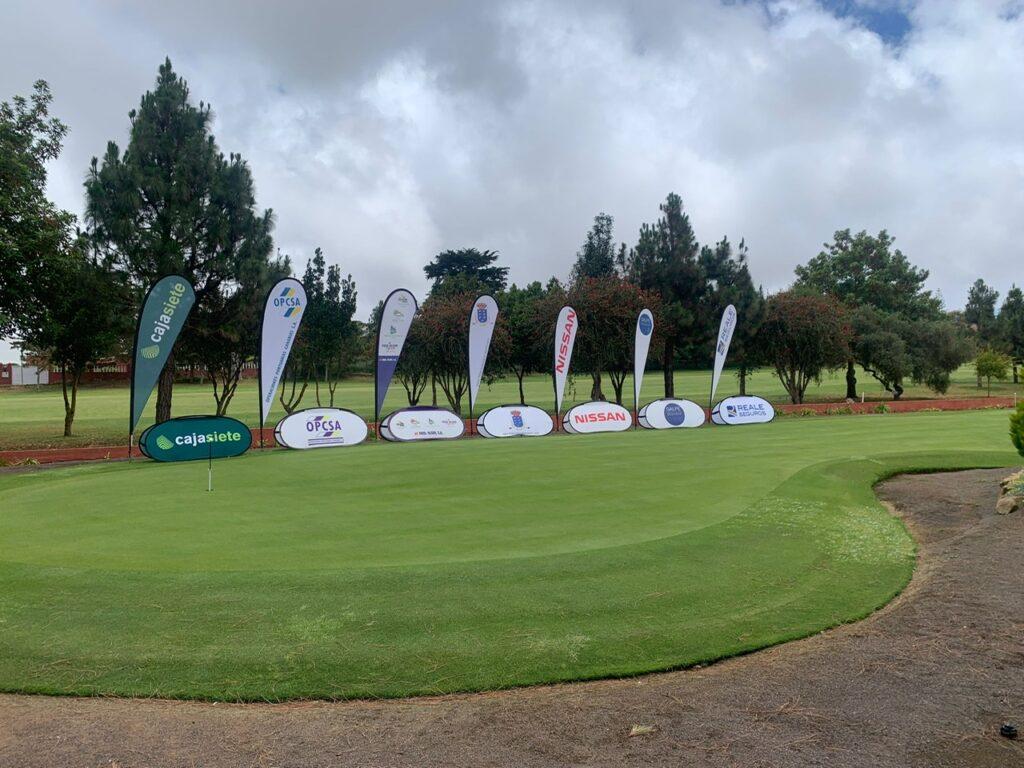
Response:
column 387, row 570
column 31, row 417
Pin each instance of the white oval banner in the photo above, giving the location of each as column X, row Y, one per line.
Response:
column 320, row 428
column 421, row 422
column 743, row 409
column 515, row 421
column 671, row 414
column 596, row 416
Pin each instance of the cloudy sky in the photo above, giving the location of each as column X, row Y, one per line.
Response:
column 387, row 131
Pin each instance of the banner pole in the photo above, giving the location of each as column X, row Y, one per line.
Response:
column 129, row 447
column 209, row 470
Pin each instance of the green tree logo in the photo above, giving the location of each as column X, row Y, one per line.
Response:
column 151, row 352
column 164, row 443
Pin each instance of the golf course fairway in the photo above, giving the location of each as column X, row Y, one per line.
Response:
column 391, row 570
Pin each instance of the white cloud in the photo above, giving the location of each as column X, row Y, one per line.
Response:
column 385, row 132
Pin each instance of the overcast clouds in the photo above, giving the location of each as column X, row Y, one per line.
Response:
column 387, row 131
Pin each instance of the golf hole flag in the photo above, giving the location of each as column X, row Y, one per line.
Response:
column 641, row 345
column 725, row 329
column 163, row 315
column 565, row 337
column 482, row 318
column 395, row 320
column 282, row 315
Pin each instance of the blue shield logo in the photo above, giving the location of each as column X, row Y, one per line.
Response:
column 481, row 312
column 674, row 414
column 517, row 419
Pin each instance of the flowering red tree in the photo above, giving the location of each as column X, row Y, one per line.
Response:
column 802, row 336
column 607, row 308
column 444, row 332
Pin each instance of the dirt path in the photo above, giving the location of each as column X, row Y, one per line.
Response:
column 925, row 682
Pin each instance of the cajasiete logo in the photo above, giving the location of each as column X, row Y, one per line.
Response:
column 189, row 438
column 162, row 324
column 288, row 301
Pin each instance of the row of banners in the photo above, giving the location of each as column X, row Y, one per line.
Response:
column 169, row 301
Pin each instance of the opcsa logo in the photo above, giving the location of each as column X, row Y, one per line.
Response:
column 289, row 301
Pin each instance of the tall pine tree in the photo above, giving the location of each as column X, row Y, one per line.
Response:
column 173, row 203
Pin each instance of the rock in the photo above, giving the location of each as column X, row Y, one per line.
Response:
column 1008, row 503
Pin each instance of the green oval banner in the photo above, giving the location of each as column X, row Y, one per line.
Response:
column 190, row 438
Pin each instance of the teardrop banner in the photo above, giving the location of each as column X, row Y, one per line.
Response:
column 725, row 329
column 164, row 312
column 565, row 337
column 641, row 345
column 283, row 311
column 395, row 320
column 483, row 316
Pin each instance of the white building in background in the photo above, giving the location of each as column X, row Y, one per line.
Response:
column 16, row 375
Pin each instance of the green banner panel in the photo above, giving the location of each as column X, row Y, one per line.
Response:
column 190, row 438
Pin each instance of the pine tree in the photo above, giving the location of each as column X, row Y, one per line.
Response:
column 172, row 203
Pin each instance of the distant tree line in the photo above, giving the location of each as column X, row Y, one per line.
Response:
column 173, row 202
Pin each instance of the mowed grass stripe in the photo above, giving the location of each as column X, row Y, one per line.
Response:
column 813, row 550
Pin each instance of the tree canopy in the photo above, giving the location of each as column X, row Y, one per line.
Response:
column 466, row 270
column 172, row 203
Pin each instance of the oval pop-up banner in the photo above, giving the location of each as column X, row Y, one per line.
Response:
column 190, row 438
column 596, row 416
column 320, row 428
column 671, row 414
column 515, row 421
column 421, row 422
column 743, row 409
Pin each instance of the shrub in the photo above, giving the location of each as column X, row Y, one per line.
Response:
column 1017, row 428
column 881, row 408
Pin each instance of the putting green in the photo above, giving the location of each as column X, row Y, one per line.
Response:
column 388, row 570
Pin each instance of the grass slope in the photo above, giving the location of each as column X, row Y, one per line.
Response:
column 391, row 570
column 34, row 417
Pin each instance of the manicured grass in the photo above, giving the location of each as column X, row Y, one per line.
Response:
column 387, row 570
column 34, row 417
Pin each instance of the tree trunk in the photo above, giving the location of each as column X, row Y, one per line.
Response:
column 433, row 390
column 69, row 403
column 164, row 389
column 668, row 356
column 979, row 381
column 851, row 381
column 1015, row 379
column 743, row 379
column 897, row 391
column 522, row 395
column 595, row 387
